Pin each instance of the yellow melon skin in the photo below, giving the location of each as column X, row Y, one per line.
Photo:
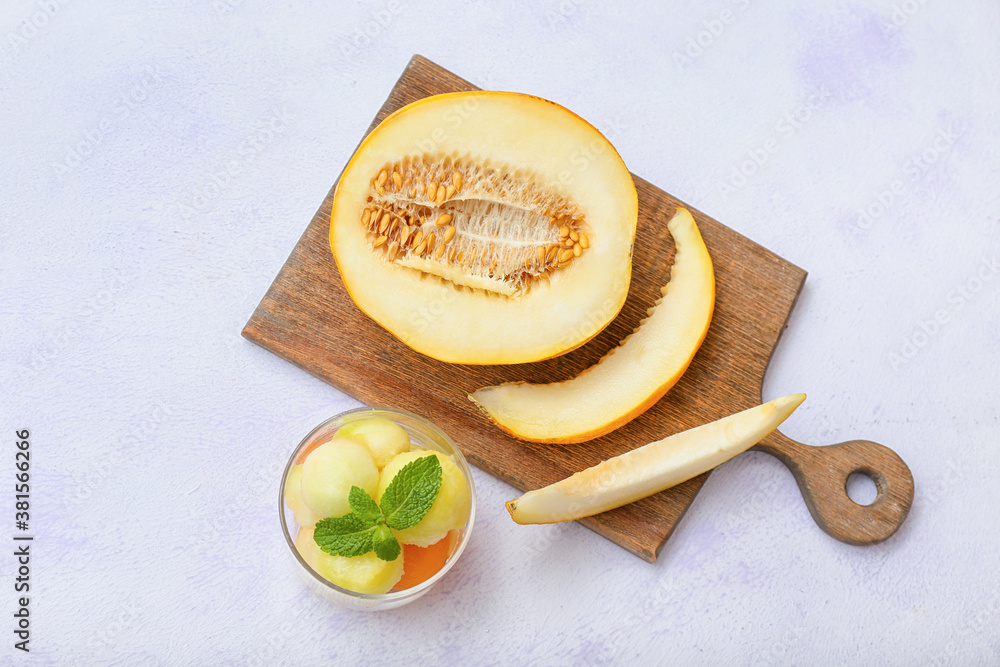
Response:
column 630, row 378
column 652, row 468
column 461, row 324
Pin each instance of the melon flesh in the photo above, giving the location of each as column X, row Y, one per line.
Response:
column 653, row 467
column 486, row 228
column 630, row 378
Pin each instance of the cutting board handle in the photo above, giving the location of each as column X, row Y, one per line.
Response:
column 822, row 473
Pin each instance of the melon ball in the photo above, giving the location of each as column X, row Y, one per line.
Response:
column 307, row 547
column 362, row 574
column 304, row 516
column 383, row 438
column 450, row 509
column 331, row 470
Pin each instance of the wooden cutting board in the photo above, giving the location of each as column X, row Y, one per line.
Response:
column 307, row 318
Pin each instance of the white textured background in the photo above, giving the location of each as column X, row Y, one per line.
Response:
column 158, row 164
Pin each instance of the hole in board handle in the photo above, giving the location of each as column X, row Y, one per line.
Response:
column 861, row 488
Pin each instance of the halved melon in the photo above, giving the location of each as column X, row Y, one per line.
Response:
column 631, row 377
column 486, row 228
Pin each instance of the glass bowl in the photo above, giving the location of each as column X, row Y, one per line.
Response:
column 422, row 433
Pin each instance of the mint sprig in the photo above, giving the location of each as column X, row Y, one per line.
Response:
column 385, row 544
column 363, row 506
column 411, row 492
column 405, row 502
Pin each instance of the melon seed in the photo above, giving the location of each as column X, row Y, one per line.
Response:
column 516, row 230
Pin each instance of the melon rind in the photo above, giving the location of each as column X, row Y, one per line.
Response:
column 464, row 325
column 652, row 468
column 631, row 377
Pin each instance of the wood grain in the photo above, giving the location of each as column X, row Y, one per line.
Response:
column 307, row 318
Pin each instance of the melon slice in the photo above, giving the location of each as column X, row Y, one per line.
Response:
column 630, row 378
column 486, row 228
column 653, row 467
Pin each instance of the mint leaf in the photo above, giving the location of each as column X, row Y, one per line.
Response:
column 385, row 543
column 405, row 502
column 411, row 492
column 346, row 535
column 363, row 506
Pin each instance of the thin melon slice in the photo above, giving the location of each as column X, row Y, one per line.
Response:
column 486, row 228
column 653, row 467
column 630, row 378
